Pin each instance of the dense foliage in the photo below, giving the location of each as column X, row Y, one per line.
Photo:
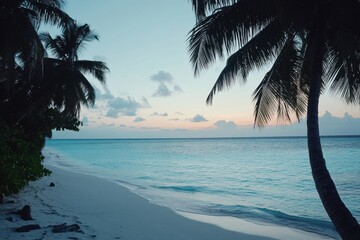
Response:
column 21, row 160
column 39, row 94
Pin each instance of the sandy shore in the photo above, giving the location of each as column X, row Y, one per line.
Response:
column 106, row 210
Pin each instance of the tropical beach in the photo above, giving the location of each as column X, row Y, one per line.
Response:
column 170, row 188
column 105, row 210
column 106, row 129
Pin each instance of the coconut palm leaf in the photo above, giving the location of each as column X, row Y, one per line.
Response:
column 48, row 11
column 347, row 80
column 278, row 91
column 75, row 37
column 52, row 44
column 97, row 68
column 227, row 28
column 202, row 7
column 263, row 47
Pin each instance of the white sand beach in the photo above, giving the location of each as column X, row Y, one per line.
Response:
column 106, row 210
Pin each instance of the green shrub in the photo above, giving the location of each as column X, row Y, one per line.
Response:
column 20, row 160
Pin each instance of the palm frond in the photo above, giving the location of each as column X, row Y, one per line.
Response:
column 343, row 62
column 262, row 48
column 51, row 44
column 73, row 92
column 346, row 81
column 85, row 34
column 30, row 48
column 97, row 68
column 202, row 7
column 279, row 91
column 88, row 90
column 82, row 35
column 226, row 29
column 49, row 11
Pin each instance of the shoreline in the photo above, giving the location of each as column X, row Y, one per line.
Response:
column 106, row 210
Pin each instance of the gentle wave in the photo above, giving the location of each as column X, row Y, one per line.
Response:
column 274, row 217
column 184, row 188
column 257, row 214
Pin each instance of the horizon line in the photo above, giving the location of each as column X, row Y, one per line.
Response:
column 184, row 138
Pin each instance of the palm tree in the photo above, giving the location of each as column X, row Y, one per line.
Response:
column 311, row 44
column 65, row 85
column 21, row 51
column 20, row 44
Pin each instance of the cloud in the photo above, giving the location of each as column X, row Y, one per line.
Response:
column 150, row 128
column 329, row 125
column 145, row 103
column 198, row 118
column 346, row 125
column 156, row 114
column 178, row 89
column 222, row 124
column 167, row 86
column 162, row 91
column 107, row 124
column 103, row 96
column 122, row 107
column 139, row 119
column 174, row 119
column 162, row 77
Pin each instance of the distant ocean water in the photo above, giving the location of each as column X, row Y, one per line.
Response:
column 259, row 179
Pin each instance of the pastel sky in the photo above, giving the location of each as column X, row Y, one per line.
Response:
column 151, row 90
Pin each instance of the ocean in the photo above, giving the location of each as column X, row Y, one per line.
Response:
column 257, row 179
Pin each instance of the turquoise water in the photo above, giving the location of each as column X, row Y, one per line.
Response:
column 259, row 179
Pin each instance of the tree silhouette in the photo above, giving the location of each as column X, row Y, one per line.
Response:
column 311, row 44
column 65, row 85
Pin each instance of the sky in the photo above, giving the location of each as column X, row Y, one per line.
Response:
column 151, row 90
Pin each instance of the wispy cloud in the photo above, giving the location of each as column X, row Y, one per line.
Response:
column 222, row 124
column 145, row 103
column 198, row 118
column 139, row 119
column 156, row 114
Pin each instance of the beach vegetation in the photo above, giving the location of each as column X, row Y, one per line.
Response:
column 307, row 46
column 21, row 160
column 38, row 93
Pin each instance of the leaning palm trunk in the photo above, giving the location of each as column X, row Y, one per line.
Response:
column 345, row 224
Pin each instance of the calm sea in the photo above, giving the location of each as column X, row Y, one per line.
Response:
column 259, row 179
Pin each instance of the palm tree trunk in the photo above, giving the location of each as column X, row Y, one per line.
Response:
column 345, row 224
column 1, row 196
